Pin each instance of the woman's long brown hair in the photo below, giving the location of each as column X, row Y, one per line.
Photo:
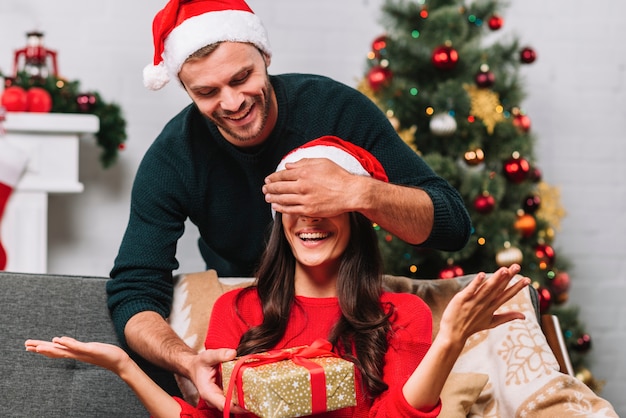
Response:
column 363, row 327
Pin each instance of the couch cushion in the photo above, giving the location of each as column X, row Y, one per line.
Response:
column 44, row 306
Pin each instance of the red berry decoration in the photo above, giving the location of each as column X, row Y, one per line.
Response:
column 522, row 122
column 583, row 343
column 516, row 169
column 38, row 100
column 528, row 55
column 86, row 102
column 485, row 203
column 532, row 203
column 445, row 57
column 451, row 271
column 14, row 99
column 495, row 22
column 379, row 77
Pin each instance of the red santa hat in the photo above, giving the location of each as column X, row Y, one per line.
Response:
column 350, row 157
column 185, row 26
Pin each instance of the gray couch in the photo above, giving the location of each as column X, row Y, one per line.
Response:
column 44, row 306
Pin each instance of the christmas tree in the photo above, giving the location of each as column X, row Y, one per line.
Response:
column 453, row 90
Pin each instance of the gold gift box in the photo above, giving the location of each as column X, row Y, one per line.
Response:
column 282, row 389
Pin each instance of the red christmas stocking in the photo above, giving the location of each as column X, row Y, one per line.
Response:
column 12, row 164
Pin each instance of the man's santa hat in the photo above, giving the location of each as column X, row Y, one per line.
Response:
column 185, row 26
column 350, row 157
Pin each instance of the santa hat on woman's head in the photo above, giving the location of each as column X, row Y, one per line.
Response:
column 350, row 157
column 185, row 26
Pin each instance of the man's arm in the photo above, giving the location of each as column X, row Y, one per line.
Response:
column 149, row 335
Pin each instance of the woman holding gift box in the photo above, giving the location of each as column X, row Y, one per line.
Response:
column 322, row 278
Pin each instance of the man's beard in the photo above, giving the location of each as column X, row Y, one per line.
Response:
column 248, row 134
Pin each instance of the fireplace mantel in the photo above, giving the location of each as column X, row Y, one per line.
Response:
column 52, row 143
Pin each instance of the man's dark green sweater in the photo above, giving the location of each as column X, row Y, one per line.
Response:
column 192, row 172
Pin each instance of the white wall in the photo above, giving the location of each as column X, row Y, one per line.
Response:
column 575, row 99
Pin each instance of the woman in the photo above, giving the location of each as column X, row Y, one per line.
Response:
column 322, row 278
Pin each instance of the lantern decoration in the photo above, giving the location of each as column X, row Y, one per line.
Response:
column 484, row 78
column 525, row 225
column 528, row 55
column 14, row 99
column 451, row 271
column 509, row 255
column 495, row 22
column 545, row 255
column 445, row 57
column 379, row 77
column 442, row 124
column 378, row 46
column 484, row 203
column 532, row 203
column 516, row 169
column 35, row 59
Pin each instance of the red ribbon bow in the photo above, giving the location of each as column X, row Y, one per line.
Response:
column 300, row 356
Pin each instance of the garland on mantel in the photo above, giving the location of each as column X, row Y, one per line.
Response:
column 67, row 98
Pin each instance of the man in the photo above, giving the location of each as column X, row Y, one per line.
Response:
column 214, row 164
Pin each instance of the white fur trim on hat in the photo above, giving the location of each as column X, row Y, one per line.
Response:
column 336, row 155
column 199, row 31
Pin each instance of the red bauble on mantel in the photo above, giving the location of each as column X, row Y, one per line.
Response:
column 39, row 100
column 14, row 99
column 445, row 57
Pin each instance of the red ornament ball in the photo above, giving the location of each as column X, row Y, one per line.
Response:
column 39, row 100
column 560, row 284
column 522, row 122
column 516, row 169
column 532, row 203
column 378, row 45
column 535, row 175
column 14, row 99
column 445, row 57
column 484, row 79
column 528, row 55
column 484, row 203
column 451, row 271
column 545, row 299
column 495, row 22
column 379, row 77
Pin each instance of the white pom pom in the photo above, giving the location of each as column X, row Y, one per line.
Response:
column 155, row 76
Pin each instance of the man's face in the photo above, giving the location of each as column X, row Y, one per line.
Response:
column 231, row 87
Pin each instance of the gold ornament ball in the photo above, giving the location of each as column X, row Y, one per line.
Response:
column 509, row 256
column 525, row 225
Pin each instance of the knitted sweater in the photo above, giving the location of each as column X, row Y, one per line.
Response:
column 313, row 318
column 192, row 172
